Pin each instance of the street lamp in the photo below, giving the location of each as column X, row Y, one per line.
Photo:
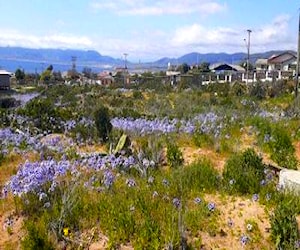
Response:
column 248, row 54
column 125, row 68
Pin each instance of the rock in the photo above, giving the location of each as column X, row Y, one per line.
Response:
column 290, row 180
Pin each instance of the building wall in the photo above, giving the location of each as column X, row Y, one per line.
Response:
column 285, row 66
column 4, row 81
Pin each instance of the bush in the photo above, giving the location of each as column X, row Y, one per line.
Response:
column 284, row 227
column 174, row 155
column 243, row 172
column 238, row 89
column 199, row 176
column 36, row 237
column 201, row 139
column 44, row 114
column 8, row 102
column 276, row 140
column 102, row 121
column 258, row 90
column 282, row 149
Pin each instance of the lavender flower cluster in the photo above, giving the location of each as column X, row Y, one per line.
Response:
column 16, row 140
column 31, row 176
column 206, row 123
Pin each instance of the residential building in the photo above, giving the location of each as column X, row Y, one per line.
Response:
column 261, row 64
column 5, row 79
column 285, row 61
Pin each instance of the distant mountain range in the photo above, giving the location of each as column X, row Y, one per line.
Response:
column 197, row 58
column 37, row 60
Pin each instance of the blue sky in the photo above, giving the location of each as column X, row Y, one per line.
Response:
column 148, row 30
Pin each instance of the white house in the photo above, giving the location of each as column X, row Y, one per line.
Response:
column 285, row 61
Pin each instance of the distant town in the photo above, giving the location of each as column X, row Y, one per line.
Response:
column 270, row 66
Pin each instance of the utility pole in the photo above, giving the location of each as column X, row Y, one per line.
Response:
column 248, row 54
column 125, row 68
column 298, row 59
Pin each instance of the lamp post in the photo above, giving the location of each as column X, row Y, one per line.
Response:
column 248, row 54
column 298, row 61
column 125, row 68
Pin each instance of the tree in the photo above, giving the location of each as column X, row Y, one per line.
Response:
column 244, row 65
column 204, row 67
column 183, row 68
column 46, row 76
column 20, row 76
column 50, row 67
column 102, row 121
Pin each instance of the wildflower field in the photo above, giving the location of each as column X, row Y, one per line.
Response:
column 150, row 167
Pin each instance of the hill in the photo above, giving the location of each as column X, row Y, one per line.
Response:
column 195, row 58
column 32, row 60
column 37, row 60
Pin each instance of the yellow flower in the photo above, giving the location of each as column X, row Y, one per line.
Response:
column 66, row 231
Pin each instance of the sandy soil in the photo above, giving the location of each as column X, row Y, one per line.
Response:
column 10, row 236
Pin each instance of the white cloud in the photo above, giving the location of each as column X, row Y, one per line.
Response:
column 144, row 7
column 274, row 35
column 199, row 36
column 16, row 38
column 154, row 44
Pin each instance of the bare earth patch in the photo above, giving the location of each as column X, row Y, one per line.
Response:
column 191, row 154
column 10, row 236
column 234, row 214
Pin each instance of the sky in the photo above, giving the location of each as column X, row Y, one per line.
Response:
column 149, row 30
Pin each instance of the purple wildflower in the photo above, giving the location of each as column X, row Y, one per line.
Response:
column 268, row 196
column 165, row 182
column 130, row 182
column 109, row 178
column 197, row 200
column 176, row 202
column 230, row 222
column 255, row 197
column 211, row 206
column 244, row 239
column 151, row 179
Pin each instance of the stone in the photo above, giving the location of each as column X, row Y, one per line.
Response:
column 289, row 180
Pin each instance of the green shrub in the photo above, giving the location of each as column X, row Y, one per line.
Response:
column 201, row 139
column 282, row 149
column 238, row 89
column 276, row 140
column 102, row 121
column 284, row 227
column 8, row 102
column 44, row 114
column 243, row 172
column 36, row 237
column 258, row 90
column 137, row 94
column 174, row 155
column 199, row 176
